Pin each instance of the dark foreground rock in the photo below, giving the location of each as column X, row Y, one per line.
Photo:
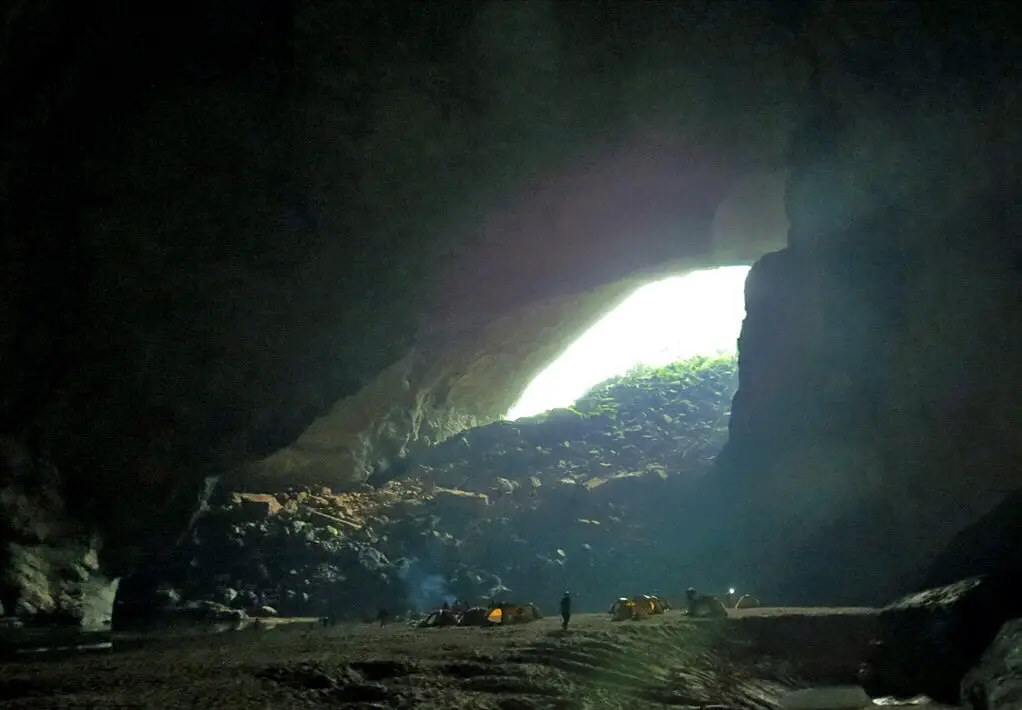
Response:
column 586, row 498
column 927, row 642
column 49, row 564
column 996, row 683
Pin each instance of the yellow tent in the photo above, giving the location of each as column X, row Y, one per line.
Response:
column 638, row 607
column 513, row 614
column 622, row 609
column 642, row 606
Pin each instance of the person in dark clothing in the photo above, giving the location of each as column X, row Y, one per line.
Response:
column 692, row 597
column 382, row 615
column 565, row 610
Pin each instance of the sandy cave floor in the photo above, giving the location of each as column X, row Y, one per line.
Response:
column 746, row 661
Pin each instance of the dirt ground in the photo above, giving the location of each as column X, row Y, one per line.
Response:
column 746, row 661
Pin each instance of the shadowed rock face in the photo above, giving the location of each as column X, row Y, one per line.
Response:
column 926, row 643
column 207, row 250
column 989, row 545
column 880, row 348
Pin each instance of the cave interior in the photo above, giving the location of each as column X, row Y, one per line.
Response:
column 257, row 247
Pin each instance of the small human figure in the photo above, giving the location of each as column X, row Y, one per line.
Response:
column 692, row 596
column 565, row 610
column 382, row 615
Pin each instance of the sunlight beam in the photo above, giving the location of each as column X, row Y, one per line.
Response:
column 670, row 320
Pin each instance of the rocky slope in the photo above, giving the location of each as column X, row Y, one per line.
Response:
column 586, row 498
column 206, row 251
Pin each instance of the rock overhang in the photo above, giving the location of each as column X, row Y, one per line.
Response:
column 537, row 294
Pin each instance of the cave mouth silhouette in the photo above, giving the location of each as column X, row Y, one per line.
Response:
column 673, row 319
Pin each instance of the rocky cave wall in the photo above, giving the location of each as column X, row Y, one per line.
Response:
column 206, row 254
column 205, row 249
column 879, row 359
column 471, row 374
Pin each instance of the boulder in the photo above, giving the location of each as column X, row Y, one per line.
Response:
column 225, row 595
column 263, row 612
column 166, row 598
column 461, row 501
column 927, row 642
column 996, row 683
column 254, row 506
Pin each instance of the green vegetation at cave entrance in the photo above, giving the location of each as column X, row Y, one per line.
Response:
column 666, row 420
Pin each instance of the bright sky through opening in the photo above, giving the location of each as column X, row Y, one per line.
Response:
column 663, row 322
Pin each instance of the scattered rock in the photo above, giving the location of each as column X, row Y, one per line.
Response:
column 255, row 506
column 462, row 501
column 498, row 512
column 331, row 520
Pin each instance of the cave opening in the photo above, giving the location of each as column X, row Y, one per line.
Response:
column 667, row 321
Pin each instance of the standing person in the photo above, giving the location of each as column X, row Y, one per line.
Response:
column 565, row 610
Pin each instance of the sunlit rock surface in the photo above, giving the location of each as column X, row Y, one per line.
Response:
column 445, row 384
